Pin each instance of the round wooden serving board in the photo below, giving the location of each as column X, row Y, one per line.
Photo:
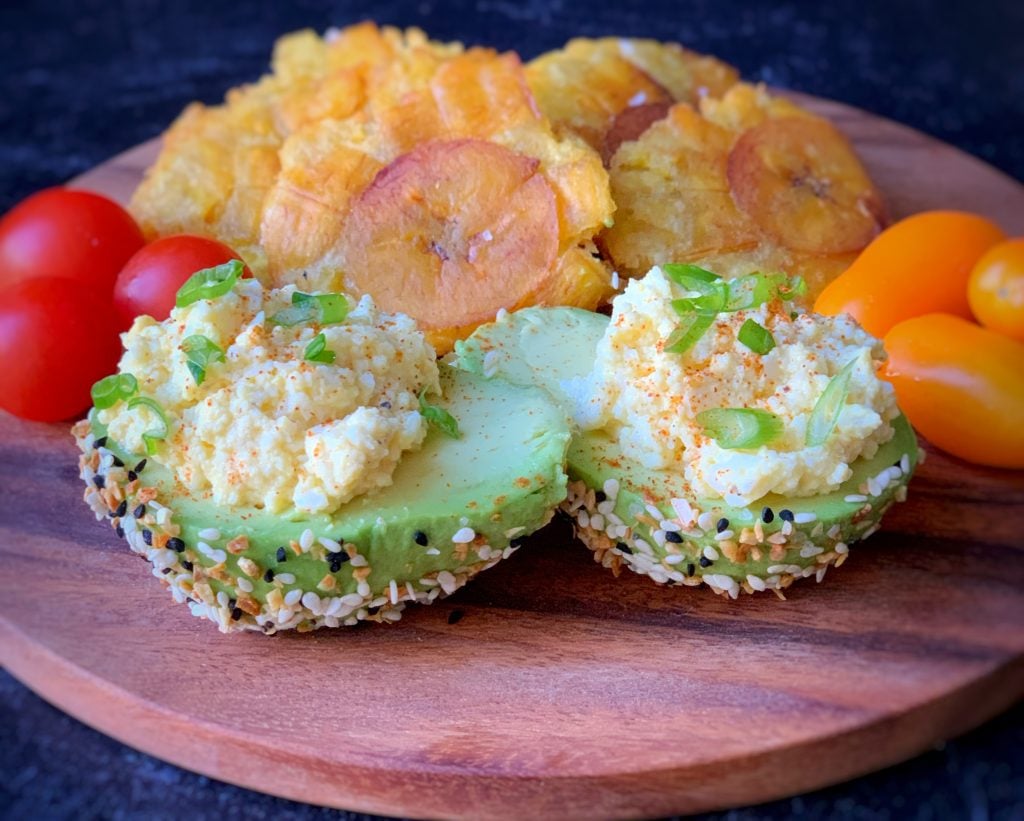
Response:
column 562, row 692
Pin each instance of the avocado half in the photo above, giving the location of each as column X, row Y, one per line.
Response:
column 456, row 507
column 650, row 520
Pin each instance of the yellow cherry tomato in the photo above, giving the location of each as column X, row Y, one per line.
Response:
column 996, row 288
column 961, row 386
column 919, row 265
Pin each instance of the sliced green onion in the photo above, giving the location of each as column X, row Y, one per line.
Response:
column 829, row 405
column 112, row 389
column 792, row 287
column 200, row 351
column 151, row 437
column 315, row 309
column 756, row 337
column 756, row 289
column 691, row 329
column 685, row 275
column 740, row 427
column 209, row 283
column 439, row 417
column 317, row 351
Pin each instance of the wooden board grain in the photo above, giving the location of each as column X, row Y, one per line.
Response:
column 561, row 692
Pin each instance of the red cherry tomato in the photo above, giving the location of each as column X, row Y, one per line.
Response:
column 151, row 279
column 70, row 234
column 57, row 337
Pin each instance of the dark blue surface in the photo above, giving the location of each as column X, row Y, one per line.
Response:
column 81, row 81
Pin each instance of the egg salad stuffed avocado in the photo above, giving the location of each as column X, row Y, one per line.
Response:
column 285, row 462
column 637, row 507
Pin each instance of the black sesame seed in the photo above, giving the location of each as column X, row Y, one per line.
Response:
column 119, row 531
column 282, row 554
column 186, row 564
column 517, row 542
column 232, row 603
column 786, row 514
column 705, row 561
column 690, row 569
column 147, row 537
column 117, row 462
column 268, row 576
column 672, row 536
column 723, row 524
column 337, row 558
column 100, row 442
column 176, row 544
column 386, row 405
column 141, row 466
column 139, row 511
column 236, row 614
column 121, row 509
column 166, row 570
column 767, row 515
column 132, row 476
column 372, row 611
column 599, row 495
column 99, row 481
column 455, row 617
column 624, row 547
column 420, row 538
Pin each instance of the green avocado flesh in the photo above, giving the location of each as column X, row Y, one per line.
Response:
column 555, row 348
column 503, row 478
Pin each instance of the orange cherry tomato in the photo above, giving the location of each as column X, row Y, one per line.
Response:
column 996, row 289
column 919, row 265
column 961, row 386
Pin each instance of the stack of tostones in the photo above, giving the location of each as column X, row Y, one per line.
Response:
column 449, row 183
column 380, row 162
column 744, row 182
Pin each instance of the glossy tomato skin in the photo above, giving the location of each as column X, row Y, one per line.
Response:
column 57, row 337
column 961, row 386
column 919, row 265
column 996, row 289
column 151, row 278
column 70, row 234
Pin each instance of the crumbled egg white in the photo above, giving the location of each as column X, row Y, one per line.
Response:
column 267, row 428
column 650, row 399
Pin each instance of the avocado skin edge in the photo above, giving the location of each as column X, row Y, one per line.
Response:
column 503, row 478
column 553, row 347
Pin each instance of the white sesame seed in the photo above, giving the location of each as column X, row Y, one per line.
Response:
column 306, row 540
column 292, row 597
column 669, row 525
column 794, row 569
column 642, row 546
column 654, row 512
column 209, row 533
column 410, row 591
column 597, row 521
column 710, row 553
column 659, row 537
column 853, row 498
column 433, row 552
column 756, row 582
column 464, row 535
column 810, row 550
column 333, row 606
column 244, row 584
column 611, row 488
column 821, row 573
column 776, row 568
column 350, row 600
column 219, row 556
column 606, row 507
column 787, row 528
column 834, row 531
column 512, row 532
column 615, row 280
column 447, row 582
column 905, row 463
column 223, row 599
column 358, row 561
column 683, row 510
column 484, row 552
column 583, row 518
column 705, row 520
column 330, row 544
column 311, row 601
column 393, row 589
column 841, row 548
column 777, row 539
column 676, row 558
column 285, row 578
column 725, row 534
column 804, row 518
column 363, row 589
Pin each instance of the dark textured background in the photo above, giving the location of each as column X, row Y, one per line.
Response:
column 80, row 81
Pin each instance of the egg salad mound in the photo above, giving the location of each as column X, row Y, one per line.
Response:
column 275, row 413
column 650, row 398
